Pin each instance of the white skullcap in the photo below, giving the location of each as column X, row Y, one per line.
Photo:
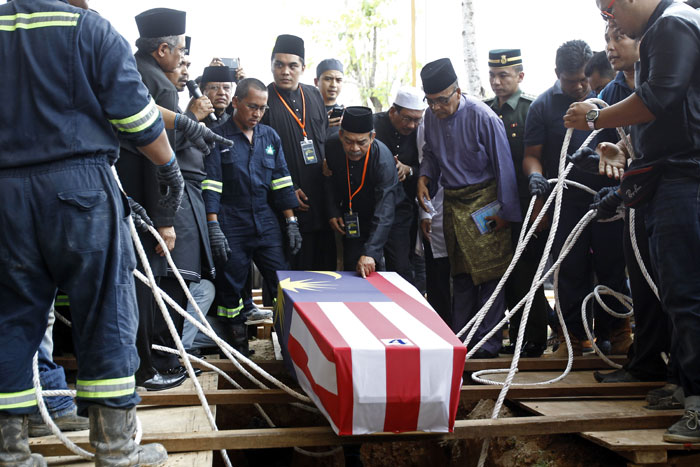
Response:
column 410, row 98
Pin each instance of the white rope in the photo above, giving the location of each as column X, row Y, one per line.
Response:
column 622, row 298
column 638, row 255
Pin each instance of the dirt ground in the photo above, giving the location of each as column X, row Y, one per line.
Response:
column 541, row 451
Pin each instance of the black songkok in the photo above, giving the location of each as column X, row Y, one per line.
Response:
column 357, row 120
column 217, row 74
column 329, row 64
column 161, row 22
column 500, row 58
column 437, row 76
column 288, row 44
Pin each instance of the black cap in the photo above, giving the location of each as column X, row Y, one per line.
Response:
column 288, row 44
column 188, row 42
column 217, row 74
column 500, row 58
column 161, row 22
column 357, row 120
column 437, row 76
column 329, row 64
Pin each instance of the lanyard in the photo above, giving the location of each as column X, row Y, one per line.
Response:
column 364, row 172
column 302, row 123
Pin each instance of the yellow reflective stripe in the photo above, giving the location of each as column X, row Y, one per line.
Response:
column 230, row 312
column 42, row 19
column 212, row 185
column 105, row 388
column 16, row 400
column 62, row 300
column 281, row 183
column 140, row 121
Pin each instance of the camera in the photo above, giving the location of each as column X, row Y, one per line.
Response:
column 234, row 64
column 336, row 111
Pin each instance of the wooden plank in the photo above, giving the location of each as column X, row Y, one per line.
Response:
column 625, row 440
column 587, row 362
column 274, row 367
column 184, row 459
column 468, row 393
column 324, row 436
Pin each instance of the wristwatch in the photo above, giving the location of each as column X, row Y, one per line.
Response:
column 291, row 220
column 591, row 117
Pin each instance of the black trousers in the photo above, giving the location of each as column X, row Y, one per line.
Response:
column 598, row 251
column 518, row 286
column 144, row 334
column 652, row 327
column 163, row 361
column 317, row 252
column 437, row 283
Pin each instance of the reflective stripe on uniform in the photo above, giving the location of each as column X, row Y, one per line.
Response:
column 105, row 388
column 213, row 185
column 281, row 182
column 139, row 122
column 42, row 19
column 230, row 312
column 62, row 300
column 16, row 400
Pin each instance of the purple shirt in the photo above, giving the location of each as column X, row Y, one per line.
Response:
column 471, row 147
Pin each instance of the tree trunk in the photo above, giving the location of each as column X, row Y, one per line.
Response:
column 471, row 63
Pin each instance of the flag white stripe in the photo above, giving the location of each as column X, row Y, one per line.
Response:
column 306, row 386
column 368, row 368
column 322, row 371
column 405, row 287
column 436, row 355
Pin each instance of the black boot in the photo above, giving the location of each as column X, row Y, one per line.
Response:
column 14, row 442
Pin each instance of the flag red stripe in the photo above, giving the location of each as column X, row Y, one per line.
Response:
column 336, row 350
column 402, row 371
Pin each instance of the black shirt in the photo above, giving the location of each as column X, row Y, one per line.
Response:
column 668, row 82
column 375, row 204
column 400, row 145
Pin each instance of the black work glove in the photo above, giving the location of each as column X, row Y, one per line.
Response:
column 294, row 237
column 172, row 185
column 200, row 135
column 586, row 160
column 537, row 184
column 217, row 240
column 139, row 216
column 606, row 202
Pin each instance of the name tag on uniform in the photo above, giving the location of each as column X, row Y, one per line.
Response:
column 308, row 152
column 352, row 225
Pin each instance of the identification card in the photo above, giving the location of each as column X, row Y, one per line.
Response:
column 308, row 151
column 352, row 225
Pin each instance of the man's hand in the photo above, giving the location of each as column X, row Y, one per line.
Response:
column 337, row 224
column 365, row 266
column 426, row 228
column 613, row 160
column 500, row 222
column 216, row 61
column 606, row 202
column 240, row 74
column 301, row 197
column 537, row 184
column 576, row 115
column 334, row 121
column 168, row 234
column 200, row 135
column 201, row 107
column 325, row 170
column 422, row 192
column 402, row 169
column 172, row 185
column 294, row 237
column 585, row 159
column 139, row 216
column 218, row 243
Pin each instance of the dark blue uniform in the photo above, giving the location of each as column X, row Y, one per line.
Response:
column 245, row 185
column 70, row 80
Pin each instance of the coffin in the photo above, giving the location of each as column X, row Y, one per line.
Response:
column 371, row 353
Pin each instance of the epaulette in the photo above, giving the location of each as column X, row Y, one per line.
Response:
column 530, row 97
column 488, row 100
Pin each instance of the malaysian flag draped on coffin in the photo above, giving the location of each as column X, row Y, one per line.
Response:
column 371, row 353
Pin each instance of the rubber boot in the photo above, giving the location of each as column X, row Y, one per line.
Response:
column 562, row 352
column 111, row 433
column 240, row 338
column 14, row 442
column 621, row 338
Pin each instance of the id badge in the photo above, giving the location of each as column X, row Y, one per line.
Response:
column 352, row 225
column 308, row 151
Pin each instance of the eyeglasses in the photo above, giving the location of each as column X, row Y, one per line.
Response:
column 215, row 87
column 607, row 14
column 442, row 100
column 408, row 120
column 255, row 108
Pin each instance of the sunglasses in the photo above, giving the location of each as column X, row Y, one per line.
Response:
column 607, row 14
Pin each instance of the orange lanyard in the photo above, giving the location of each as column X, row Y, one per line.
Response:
column 302, row 123
column 362, row 183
